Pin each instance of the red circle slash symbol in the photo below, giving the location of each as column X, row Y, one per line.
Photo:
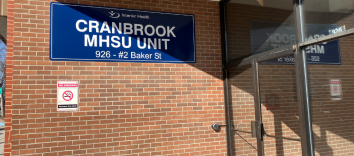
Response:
column 335, row 89
column 68, row 95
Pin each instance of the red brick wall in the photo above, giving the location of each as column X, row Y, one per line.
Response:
column 9, row 77
column 125, row 108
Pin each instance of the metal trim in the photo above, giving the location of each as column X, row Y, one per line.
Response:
column 327, row 38
column 261, row 57
column 3, row 39
column 306, row 134
column 257, row 108
column 223, row 32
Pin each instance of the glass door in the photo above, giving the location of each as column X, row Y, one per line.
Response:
column 331, row 76
column 278, row 103
column 262, row 86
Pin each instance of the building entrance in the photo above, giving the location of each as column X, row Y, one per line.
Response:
column 284, row 76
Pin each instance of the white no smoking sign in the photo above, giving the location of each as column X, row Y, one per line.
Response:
column 67, row 95
column 336, row 89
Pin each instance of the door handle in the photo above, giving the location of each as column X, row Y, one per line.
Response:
column 215, row 126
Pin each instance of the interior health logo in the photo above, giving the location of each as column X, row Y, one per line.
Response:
column 117, row 15
column 114, row 14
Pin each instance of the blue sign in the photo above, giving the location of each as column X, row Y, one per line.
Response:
column 94, row 33
column 267, row 36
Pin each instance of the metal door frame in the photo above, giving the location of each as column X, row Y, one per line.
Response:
column 306, row 133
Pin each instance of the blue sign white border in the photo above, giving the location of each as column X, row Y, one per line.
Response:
column 114, row 60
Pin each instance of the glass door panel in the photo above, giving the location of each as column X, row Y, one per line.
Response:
column 280, row 117
column 332, row 102
column 242, row 110
column 254, row 27
column 327, row 17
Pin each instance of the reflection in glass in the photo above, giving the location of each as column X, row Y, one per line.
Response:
column 327, row 17
column 332, row 103
column 257, row 26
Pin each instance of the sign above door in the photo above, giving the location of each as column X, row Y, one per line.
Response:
column 95, row 33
